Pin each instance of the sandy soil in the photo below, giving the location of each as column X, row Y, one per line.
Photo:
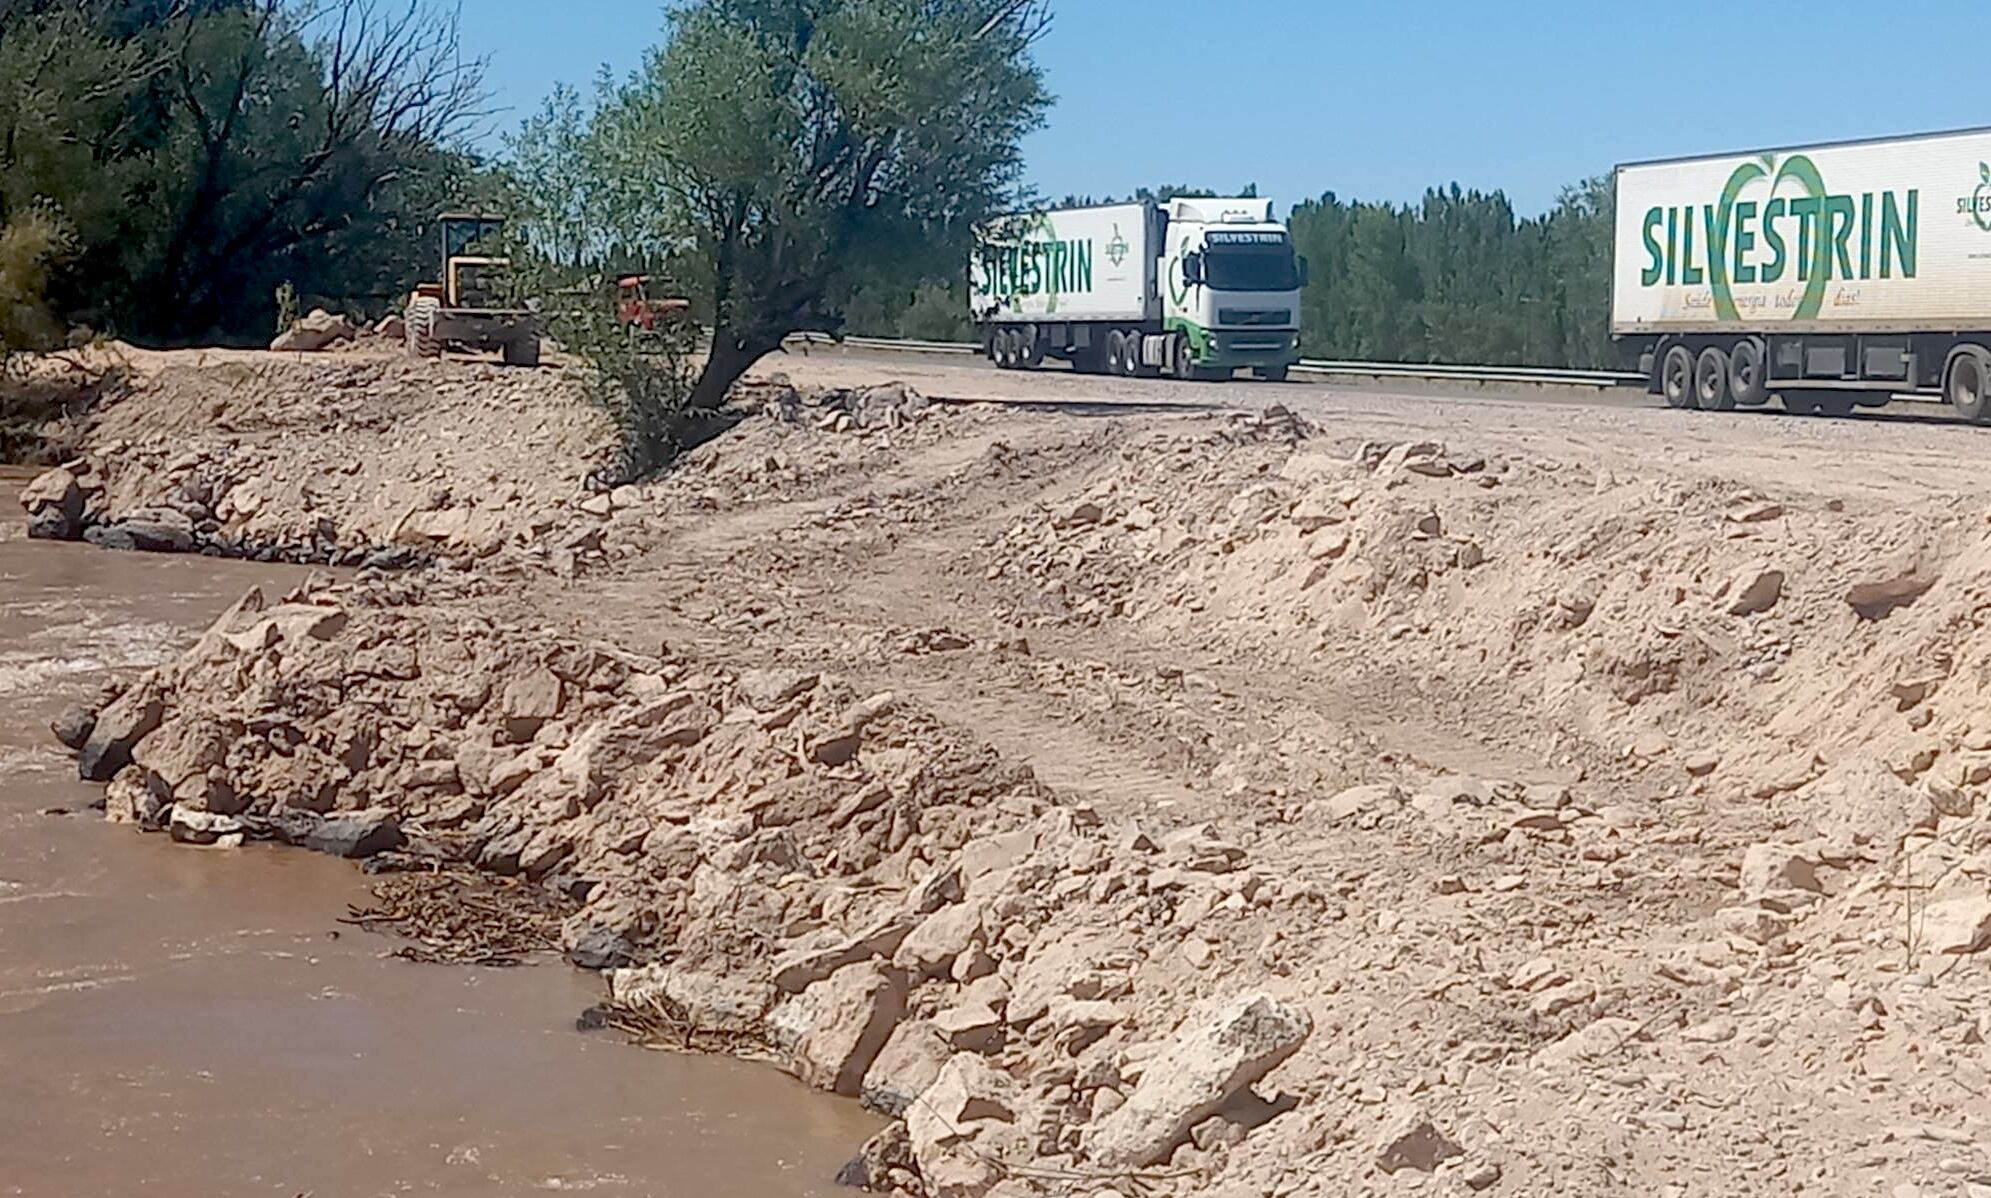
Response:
column 1594, row 793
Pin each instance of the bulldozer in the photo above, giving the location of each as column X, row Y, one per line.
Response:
column 471, row 308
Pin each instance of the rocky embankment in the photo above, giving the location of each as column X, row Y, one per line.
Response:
column 1534, row 825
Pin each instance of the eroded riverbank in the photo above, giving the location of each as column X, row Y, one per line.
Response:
column 185, row 1022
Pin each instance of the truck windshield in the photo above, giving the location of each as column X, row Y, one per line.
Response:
column 1251, row 268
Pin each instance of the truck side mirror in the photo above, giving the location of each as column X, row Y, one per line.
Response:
column 1305, row 274
column 1192, row 269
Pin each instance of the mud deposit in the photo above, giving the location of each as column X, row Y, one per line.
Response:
column 185, row 1022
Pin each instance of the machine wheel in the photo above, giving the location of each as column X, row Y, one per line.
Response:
column 1676, row 377
column 1711, row 392
column 1968, row 386
column 421, row 321
column 522, row 351
column 1748, row 383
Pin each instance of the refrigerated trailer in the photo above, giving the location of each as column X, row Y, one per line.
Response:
column 1821, row 276
column 1193, row 288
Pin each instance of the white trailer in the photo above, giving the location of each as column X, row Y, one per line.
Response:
column 1825, row 276
column 1194, row 288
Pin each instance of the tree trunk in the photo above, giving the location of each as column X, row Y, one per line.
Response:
column 733, row 354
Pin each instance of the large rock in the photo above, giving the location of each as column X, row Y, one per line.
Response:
column 1206, row 1066
column 181, row 761
column 929, row 950
column 54, row 503
column 531, row 699
column 889, row 1150
column 1754, row 590
column 906, row 1066
column 710, row 1001
column 147, row 529
column 1886, row 590
column 1769, row 868
column 350, row 834
column 1410, row 1140
column 73, row 726
column 854, row 1012
column 286, row 622
column 958, row 1126
column 204, row 827
column 796, row 969
column 1958, row 926
column 119, row 728
column 315, row 332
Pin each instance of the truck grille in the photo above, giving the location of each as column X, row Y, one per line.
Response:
column 1269, row 318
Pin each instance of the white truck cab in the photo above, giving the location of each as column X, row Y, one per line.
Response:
column 1231, row 284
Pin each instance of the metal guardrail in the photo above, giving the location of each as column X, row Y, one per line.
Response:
column 1311, row 366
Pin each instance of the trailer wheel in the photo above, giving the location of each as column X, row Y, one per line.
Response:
column 1116, row 352
column 1271, row 374
column 1676, row 377
column 1711, row 392
column 1969, row 385
column 1747, row 384
column 1130, row 360
column 1031, row 347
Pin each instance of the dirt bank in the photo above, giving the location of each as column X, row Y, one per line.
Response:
column 1172, row 802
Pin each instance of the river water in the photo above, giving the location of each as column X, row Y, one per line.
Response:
column 186, row 1023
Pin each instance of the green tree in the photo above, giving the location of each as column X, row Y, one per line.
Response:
column 799, row 147
column 203, row 151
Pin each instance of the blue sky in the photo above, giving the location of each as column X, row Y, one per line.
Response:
column 1379, row 101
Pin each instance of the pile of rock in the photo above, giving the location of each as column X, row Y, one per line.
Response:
column 901, row 915
column 67, row 504
column 838, row 410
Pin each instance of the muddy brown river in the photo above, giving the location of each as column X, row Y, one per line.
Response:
column 186, row 1023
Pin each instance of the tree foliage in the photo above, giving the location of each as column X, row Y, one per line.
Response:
column 1458, row 278
column 795, row 151
column 205, row 151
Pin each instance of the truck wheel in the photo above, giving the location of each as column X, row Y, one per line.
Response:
column 1182, row 357
column 1271, row 374
column 1748, row 383
column 1676, row 377
column 1969, row 385
column 1116, row 352
column 1711, row 382
column 421, row 321
column 1130, row 360
column 1031, row 347
column 522, row 351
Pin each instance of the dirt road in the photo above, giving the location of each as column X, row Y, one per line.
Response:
column 1534, row 797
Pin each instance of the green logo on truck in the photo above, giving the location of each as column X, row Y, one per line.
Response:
column 1797, row 230
column 1977, row 205
column 1116, row 249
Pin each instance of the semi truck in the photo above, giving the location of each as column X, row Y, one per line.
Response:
column 1192, row 288
column 1821, row 276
